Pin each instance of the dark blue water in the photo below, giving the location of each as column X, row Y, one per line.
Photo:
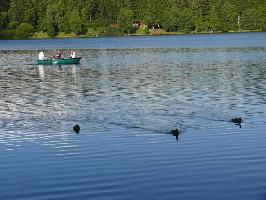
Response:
column 127, row 94
column 171, row 41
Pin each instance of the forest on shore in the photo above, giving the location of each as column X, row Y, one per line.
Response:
column 28, row 18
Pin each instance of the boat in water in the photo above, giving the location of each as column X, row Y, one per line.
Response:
column 60, row 61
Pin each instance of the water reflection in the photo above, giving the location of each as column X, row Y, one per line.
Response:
column 41, row 72
column 74, row 73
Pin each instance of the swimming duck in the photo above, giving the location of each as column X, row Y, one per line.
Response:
column 76, row 128
column 175, row 132
column 237, row 120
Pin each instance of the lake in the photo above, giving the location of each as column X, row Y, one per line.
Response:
column 127, row 95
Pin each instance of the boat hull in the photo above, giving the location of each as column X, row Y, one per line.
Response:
column 63, row 61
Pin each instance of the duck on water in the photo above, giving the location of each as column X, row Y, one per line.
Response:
column 237, row 120
column 76, row 128
column 175, row 132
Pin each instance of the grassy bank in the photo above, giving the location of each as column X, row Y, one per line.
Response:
column 107, row 32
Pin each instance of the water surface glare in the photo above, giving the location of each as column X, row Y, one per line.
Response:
column 126, row 101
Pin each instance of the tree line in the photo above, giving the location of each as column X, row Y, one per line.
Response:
column 21, row 18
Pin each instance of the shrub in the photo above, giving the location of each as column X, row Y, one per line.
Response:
column 24, row 30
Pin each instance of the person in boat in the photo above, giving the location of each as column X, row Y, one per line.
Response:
column 58, row 54
column 72, row 54
column 41, row 55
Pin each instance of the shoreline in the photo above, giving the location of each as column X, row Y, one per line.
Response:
column 161, row 32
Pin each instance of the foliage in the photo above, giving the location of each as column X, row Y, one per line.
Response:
column 125, row 20
column 24, row 30
column 186, row 20
column 249, row 21
column 229, row 17
column 4, row 4
column 142, row 31
column 262, row 17
column 214, row 19
column 78, row 16
column 169, row 20
column 201, row 24
column 3, row 20
column 50, row 23
column 12, row 25
column 75, row 22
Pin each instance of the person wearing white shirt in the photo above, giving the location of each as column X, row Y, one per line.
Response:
column 73, row 54
column 41, row 56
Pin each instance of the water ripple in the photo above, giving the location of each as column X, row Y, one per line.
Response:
column 126, row 103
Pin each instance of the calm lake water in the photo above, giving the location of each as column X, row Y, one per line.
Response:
column 127, row 94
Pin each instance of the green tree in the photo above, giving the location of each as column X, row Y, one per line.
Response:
column 30, row 16
column 16, row 10
column 25, row 30
column 153, row 12
column 50, row 22
column 62, row 17
column 12, row 25
column 250, row 19
column 92, row 6
column 76, row 22
column 203, row 7
column 201, row 24
column 169, row 20
column 262, row 17
column 229, row 17
column 4, row 4
column 183, row 15
column 3, row 20
column 214, row 18
column 186, row 20
column 125, row 20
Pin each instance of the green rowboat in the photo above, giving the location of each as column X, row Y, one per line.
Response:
column 62, row 61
